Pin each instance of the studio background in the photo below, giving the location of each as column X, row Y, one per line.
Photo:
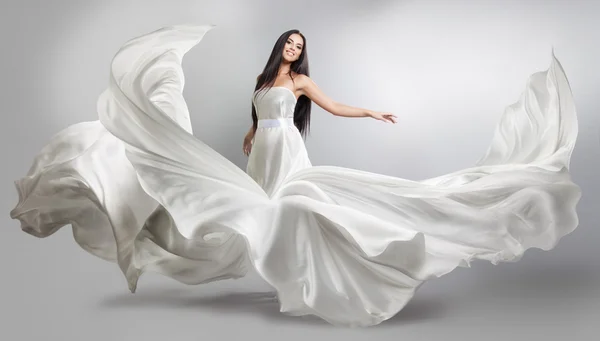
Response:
column 447, row 69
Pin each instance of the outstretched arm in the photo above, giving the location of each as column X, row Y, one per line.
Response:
column 309, row 88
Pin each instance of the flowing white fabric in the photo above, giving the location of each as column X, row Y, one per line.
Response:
column 349, row 246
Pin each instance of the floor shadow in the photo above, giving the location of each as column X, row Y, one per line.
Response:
column 425, row 306
column 418, row 310
column 264, row 304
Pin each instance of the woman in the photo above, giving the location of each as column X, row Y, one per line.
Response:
column 287, row 75
column 287, row 67
column 349, row 246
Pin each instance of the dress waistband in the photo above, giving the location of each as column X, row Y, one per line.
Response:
column 275, row 122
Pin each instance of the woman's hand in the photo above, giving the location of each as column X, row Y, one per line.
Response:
column 383, row 116
column 247, row 146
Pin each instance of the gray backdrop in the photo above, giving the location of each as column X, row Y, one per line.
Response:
column 446, row 68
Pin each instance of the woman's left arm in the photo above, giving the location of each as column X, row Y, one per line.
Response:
column 309, row 88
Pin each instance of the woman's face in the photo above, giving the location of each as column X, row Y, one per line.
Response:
column 293, row 48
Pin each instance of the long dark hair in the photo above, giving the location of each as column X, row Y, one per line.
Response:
column 269, row 75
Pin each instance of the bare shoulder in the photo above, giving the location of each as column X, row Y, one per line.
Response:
column 302, row 81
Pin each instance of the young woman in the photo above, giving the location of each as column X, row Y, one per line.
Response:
column 288, row 68
column 349, row 246
column 281, row 110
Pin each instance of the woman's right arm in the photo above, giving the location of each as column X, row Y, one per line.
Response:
column 250, row 133
column 252, row 129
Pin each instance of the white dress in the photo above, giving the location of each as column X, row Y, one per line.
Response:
column 278, row 148
column 349, row 246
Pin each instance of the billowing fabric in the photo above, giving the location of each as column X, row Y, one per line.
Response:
column 347, row 245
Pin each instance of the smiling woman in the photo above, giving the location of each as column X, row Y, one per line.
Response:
column 349, row 246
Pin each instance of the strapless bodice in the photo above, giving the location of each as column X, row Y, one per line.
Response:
column 274, row 103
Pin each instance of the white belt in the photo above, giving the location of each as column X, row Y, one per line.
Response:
column 275, row 122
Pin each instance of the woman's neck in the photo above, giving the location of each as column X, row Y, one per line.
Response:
column 284, row 69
